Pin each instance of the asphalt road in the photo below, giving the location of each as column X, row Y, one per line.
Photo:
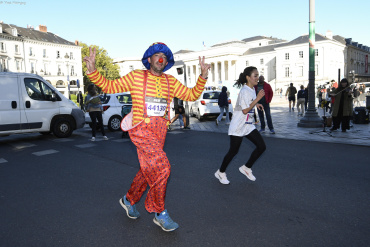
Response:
column 65, row 192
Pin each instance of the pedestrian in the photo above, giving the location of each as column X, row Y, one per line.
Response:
column 301, row 98
column 281, row 92
column 223, row 103
column 291, row 92
column 95, row 109
column 265, row 102
column 80, row 100
column 306, row 98
column 179, row 114
column 242, row 125
column 343, row 106
column 152, row 92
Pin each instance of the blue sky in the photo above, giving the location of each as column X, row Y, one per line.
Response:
column 126, row 28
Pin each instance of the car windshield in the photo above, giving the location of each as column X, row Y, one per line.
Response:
column 211, row 95
column 124, row 99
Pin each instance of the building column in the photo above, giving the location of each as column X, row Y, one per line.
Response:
column 222, row 71
column 216, row 79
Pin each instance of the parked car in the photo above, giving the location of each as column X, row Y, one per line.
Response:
column 30, row 104
column 112, row 107
column 207, row 105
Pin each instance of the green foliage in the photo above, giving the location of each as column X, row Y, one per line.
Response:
column 103, row 63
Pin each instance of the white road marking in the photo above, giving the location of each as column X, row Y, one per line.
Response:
column 3, row 160
column 22, row 145
column 45, row 152
column 89, row 145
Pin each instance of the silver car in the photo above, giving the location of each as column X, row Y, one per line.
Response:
column 207, row 105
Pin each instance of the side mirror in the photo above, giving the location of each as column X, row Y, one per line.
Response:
column 53, row 97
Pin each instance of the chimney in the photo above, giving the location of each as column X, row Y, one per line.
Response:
column 77, row 42
column 329, row 34
column 43, row 28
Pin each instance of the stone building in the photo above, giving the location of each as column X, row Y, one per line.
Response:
column 43, row 53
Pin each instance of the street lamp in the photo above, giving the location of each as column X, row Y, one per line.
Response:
column 69, row 86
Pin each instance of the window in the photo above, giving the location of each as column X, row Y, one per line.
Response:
column 316, row 52
column 38, row 90
column 247, row 63
column 44, row 53
column 16, row 49
column 46, row 69
column 18, row 65
column 300, row 70
column 131, row 67
column 2, row 46
column 59, row 70
column 286, row 56
column 261, row 61
column 316, row 69
column 32, row 68
column 72, row 70
column 58, row 54
column 300, row 54
column 71, row 55
column 287, row 73
column 31, row 51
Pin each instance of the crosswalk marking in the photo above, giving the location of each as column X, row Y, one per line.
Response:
column 45, row 152
column 3, row 160
column 22, row 145
column 88, row 145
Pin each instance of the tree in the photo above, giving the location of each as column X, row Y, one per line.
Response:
column 104, row 64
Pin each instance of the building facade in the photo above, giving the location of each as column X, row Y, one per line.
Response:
column 281, row 62
column 43, row 53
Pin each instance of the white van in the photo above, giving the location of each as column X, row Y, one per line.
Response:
column 30, row 104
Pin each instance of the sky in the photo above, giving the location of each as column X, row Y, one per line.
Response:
column 127, row 28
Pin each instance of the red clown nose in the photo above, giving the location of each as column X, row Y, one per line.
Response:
column 160, row 60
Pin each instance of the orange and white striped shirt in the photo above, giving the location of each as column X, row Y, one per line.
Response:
column 156, row 87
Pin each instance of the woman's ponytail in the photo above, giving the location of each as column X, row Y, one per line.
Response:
column 243, row 76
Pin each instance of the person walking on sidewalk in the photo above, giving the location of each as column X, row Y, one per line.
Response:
column 265, row 102
column 291, row 92
column 152, row 92
column 223, row 103
column 95, row 110
column 301, row 98
column 242, row 125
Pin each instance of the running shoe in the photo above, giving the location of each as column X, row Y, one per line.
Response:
column 131, row 210
column 247, row 172
column 165, row 222
column 221, row 176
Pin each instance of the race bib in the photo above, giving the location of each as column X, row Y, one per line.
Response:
column 155, row 107
column 250, row 116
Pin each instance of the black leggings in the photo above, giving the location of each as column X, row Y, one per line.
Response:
column 96, row 115
column 236, row 141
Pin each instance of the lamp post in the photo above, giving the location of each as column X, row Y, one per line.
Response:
column 69, row 87
column 311, row 118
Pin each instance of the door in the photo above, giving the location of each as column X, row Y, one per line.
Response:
column 10, row 114
column 38, row 104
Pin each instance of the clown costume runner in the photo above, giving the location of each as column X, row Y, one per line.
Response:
column 151, row 91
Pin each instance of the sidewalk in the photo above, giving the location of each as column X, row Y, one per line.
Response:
column 285, row 125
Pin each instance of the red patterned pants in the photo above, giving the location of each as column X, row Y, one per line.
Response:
column 155, row 168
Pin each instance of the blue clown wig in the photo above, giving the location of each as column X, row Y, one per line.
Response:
column 155, row 48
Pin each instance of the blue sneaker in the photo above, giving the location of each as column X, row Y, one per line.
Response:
column 130, row 209
column 165, row 222
column 262, row 130
column 272, row 131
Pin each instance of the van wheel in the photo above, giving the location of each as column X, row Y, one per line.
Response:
column 114, row 123
column 62, row 128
